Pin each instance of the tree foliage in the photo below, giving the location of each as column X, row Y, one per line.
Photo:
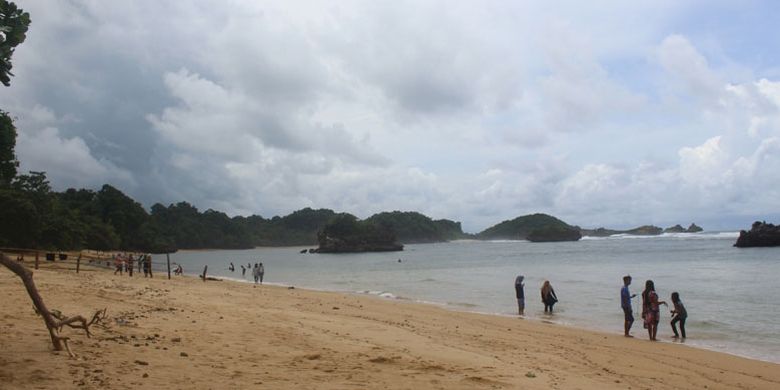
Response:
column 14, row 23
column 413, row 227
column 521, row 227
column 8, row 162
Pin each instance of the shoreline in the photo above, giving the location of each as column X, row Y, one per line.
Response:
column 185, row 333
column 638, row 333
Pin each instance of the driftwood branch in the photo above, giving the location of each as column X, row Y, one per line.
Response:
column 53, row 319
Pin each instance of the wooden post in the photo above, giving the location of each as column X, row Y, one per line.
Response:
column 78, row 263
column 36, row 259
column 206, row 268
column 168, row 258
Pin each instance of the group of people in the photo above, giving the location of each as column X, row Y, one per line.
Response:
column 651, row 310
column 651, row 313
column 126, row 263
column 258, row 271
column 548, row 295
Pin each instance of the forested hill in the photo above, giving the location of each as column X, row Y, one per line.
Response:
column 412, row 227
column 34, row 216
column 534, row 227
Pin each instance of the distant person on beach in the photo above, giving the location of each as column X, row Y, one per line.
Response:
column 520, row 294
column 178, row 270
column 650, row 309
column 118, row 264
column 254, row 273
column 679, row 314
column 260, row 272
column 232, row 267
column 625, row 303
column 148, row 266
column 548, row 296
column 243, row 270
column 130, row 265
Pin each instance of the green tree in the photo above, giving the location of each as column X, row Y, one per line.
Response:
column 8, row 162
column 13, row 31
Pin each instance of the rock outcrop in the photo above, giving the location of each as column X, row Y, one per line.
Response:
column 694, row 228
column 675, row 229
column 760, row 234
column 338, row 245
column 554, row 234
column 646, row 230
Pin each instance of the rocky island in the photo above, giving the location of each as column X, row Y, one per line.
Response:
column 346, row 234
column 533, row 227
column 760, row 234
column 645, row 230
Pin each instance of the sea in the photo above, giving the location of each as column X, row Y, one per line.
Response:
column 732, row 295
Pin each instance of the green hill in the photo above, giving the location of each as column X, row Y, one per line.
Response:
column 540, row 227
column 413, row 227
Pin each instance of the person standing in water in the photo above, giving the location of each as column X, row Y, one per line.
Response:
column 520, row 294
column 260, row 272
column 650, row 309
column 243, row 270
column 679, row 314
column 255, row 273
column 625, row 303
column 548, row 296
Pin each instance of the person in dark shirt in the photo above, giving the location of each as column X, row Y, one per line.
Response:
column 679, row 314
column 520, row 294
column 625, row 303
column 548, row 296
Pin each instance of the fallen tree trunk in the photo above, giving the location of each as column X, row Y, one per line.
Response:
column 54, row 323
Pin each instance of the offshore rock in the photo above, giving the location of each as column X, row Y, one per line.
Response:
column 554, row 234
column 694, row 228
column 760, row 234
column 675, row 229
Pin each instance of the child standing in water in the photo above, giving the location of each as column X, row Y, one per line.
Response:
column 679, row 314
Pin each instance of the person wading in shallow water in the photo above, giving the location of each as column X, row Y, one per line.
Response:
column 548, row 296
column 650, row 309
column 625, row 303
column 520, row 294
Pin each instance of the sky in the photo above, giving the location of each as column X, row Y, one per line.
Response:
column 602, row 113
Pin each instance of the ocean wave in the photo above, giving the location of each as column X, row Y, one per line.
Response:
column 686, row 236
column 383, row 294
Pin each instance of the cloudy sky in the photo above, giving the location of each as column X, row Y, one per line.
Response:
column 613, row 114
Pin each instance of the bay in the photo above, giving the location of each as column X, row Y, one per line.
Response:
column 730, row 293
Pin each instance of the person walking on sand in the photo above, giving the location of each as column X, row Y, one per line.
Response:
column 118, row 264
column 625, row 303
column 520, row 294
column 130, row 265
column 260, row 272
column 148, row 266
column 679, row 314
column 650, row 309
column 548, row 296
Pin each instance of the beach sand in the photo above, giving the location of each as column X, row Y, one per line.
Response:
column 184, row 333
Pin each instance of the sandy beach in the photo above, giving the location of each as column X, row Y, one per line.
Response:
column 184, row 333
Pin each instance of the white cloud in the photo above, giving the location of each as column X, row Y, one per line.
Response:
column 68, row 162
